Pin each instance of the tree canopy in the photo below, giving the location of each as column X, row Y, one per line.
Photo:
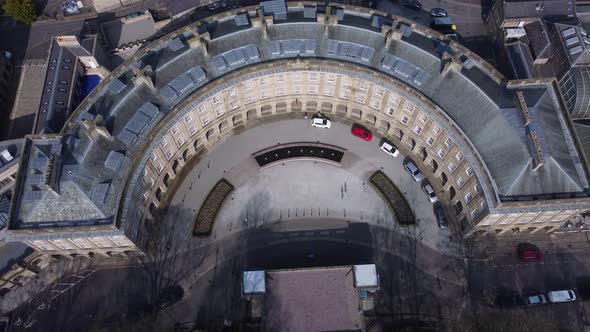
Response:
column 20, row 10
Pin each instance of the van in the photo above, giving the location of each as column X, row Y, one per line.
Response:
column 561, row 296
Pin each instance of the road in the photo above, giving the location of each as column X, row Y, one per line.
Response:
column 215, row 295
column 217, row 288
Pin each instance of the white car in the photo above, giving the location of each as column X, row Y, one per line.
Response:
column 321, row 123
column 390, row 149
column 561, row 296
column 429, row 191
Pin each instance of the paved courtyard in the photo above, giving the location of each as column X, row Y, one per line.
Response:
column 266, row 195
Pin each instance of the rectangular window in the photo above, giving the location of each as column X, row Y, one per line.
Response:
column 216, row 100
column 233, row 105
column 436, row 129
column 264, row 95
column 417, row 130
column 152, row 182
column 476, row 188
column 408, row 108
column 164, row 142
column 331, row 78
column 296, row 90
column 280, row 78
column 423, row 117
column 441, row 153
column 375, row 103
column 468, row 197
column 249, row 99
column 232, row 92
column 429, row 140
column 280, row 91
column 168, row 154
column 192, row 130
column 451, row 167
column 344, row 93
column 389, row 111
column 205, row 119
column 359, row 99
column 247, row 85
column 379, row 92
column 474, row 213
column 483, row 205
column 329, row 90
column 313, row 90
column 459, row 156
column 219, row 111
column 363, row 85
column 181, row 141
column 175, row 130
column 313, row 77
column 188, row 118
column 394, row 99
column 460, row 182
column 263, row 81
column 346, row 82
column 469, row 171
column 159, row 167
column 404, row 119
column 201, row 108
column 154, row 156
column 449, row 142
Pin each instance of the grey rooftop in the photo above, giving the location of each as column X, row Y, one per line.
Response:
column 475, row 97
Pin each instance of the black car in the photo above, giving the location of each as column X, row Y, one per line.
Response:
column 412, row 4
column 509, row 300
column 441, row 219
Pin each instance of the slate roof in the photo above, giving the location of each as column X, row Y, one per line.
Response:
column 124, row 30
column 57, row 97
column 475, row 98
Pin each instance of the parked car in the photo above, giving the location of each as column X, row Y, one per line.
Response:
column 438, row 12
column 321, row 122
column 389, row 148
column 361, row 133
column 412, row 4
column 529, row 252
column 509, row 300
column 429, row 191
column 441, row 219
column 536, row 299
column 414, row 171
column 444, row 25
column 561, row 296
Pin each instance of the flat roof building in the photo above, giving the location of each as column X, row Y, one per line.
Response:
column 321, row 299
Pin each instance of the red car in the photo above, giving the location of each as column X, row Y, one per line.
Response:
column 361, row 133
column 529, row 253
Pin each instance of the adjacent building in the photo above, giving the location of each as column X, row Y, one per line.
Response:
column 318, row 299
column 508, row 17
column 74, row 67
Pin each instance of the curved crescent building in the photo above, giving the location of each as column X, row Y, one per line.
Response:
column 502, row 153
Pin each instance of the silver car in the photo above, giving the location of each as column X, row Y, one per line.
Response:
column 429, row 191
column 414, row 171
